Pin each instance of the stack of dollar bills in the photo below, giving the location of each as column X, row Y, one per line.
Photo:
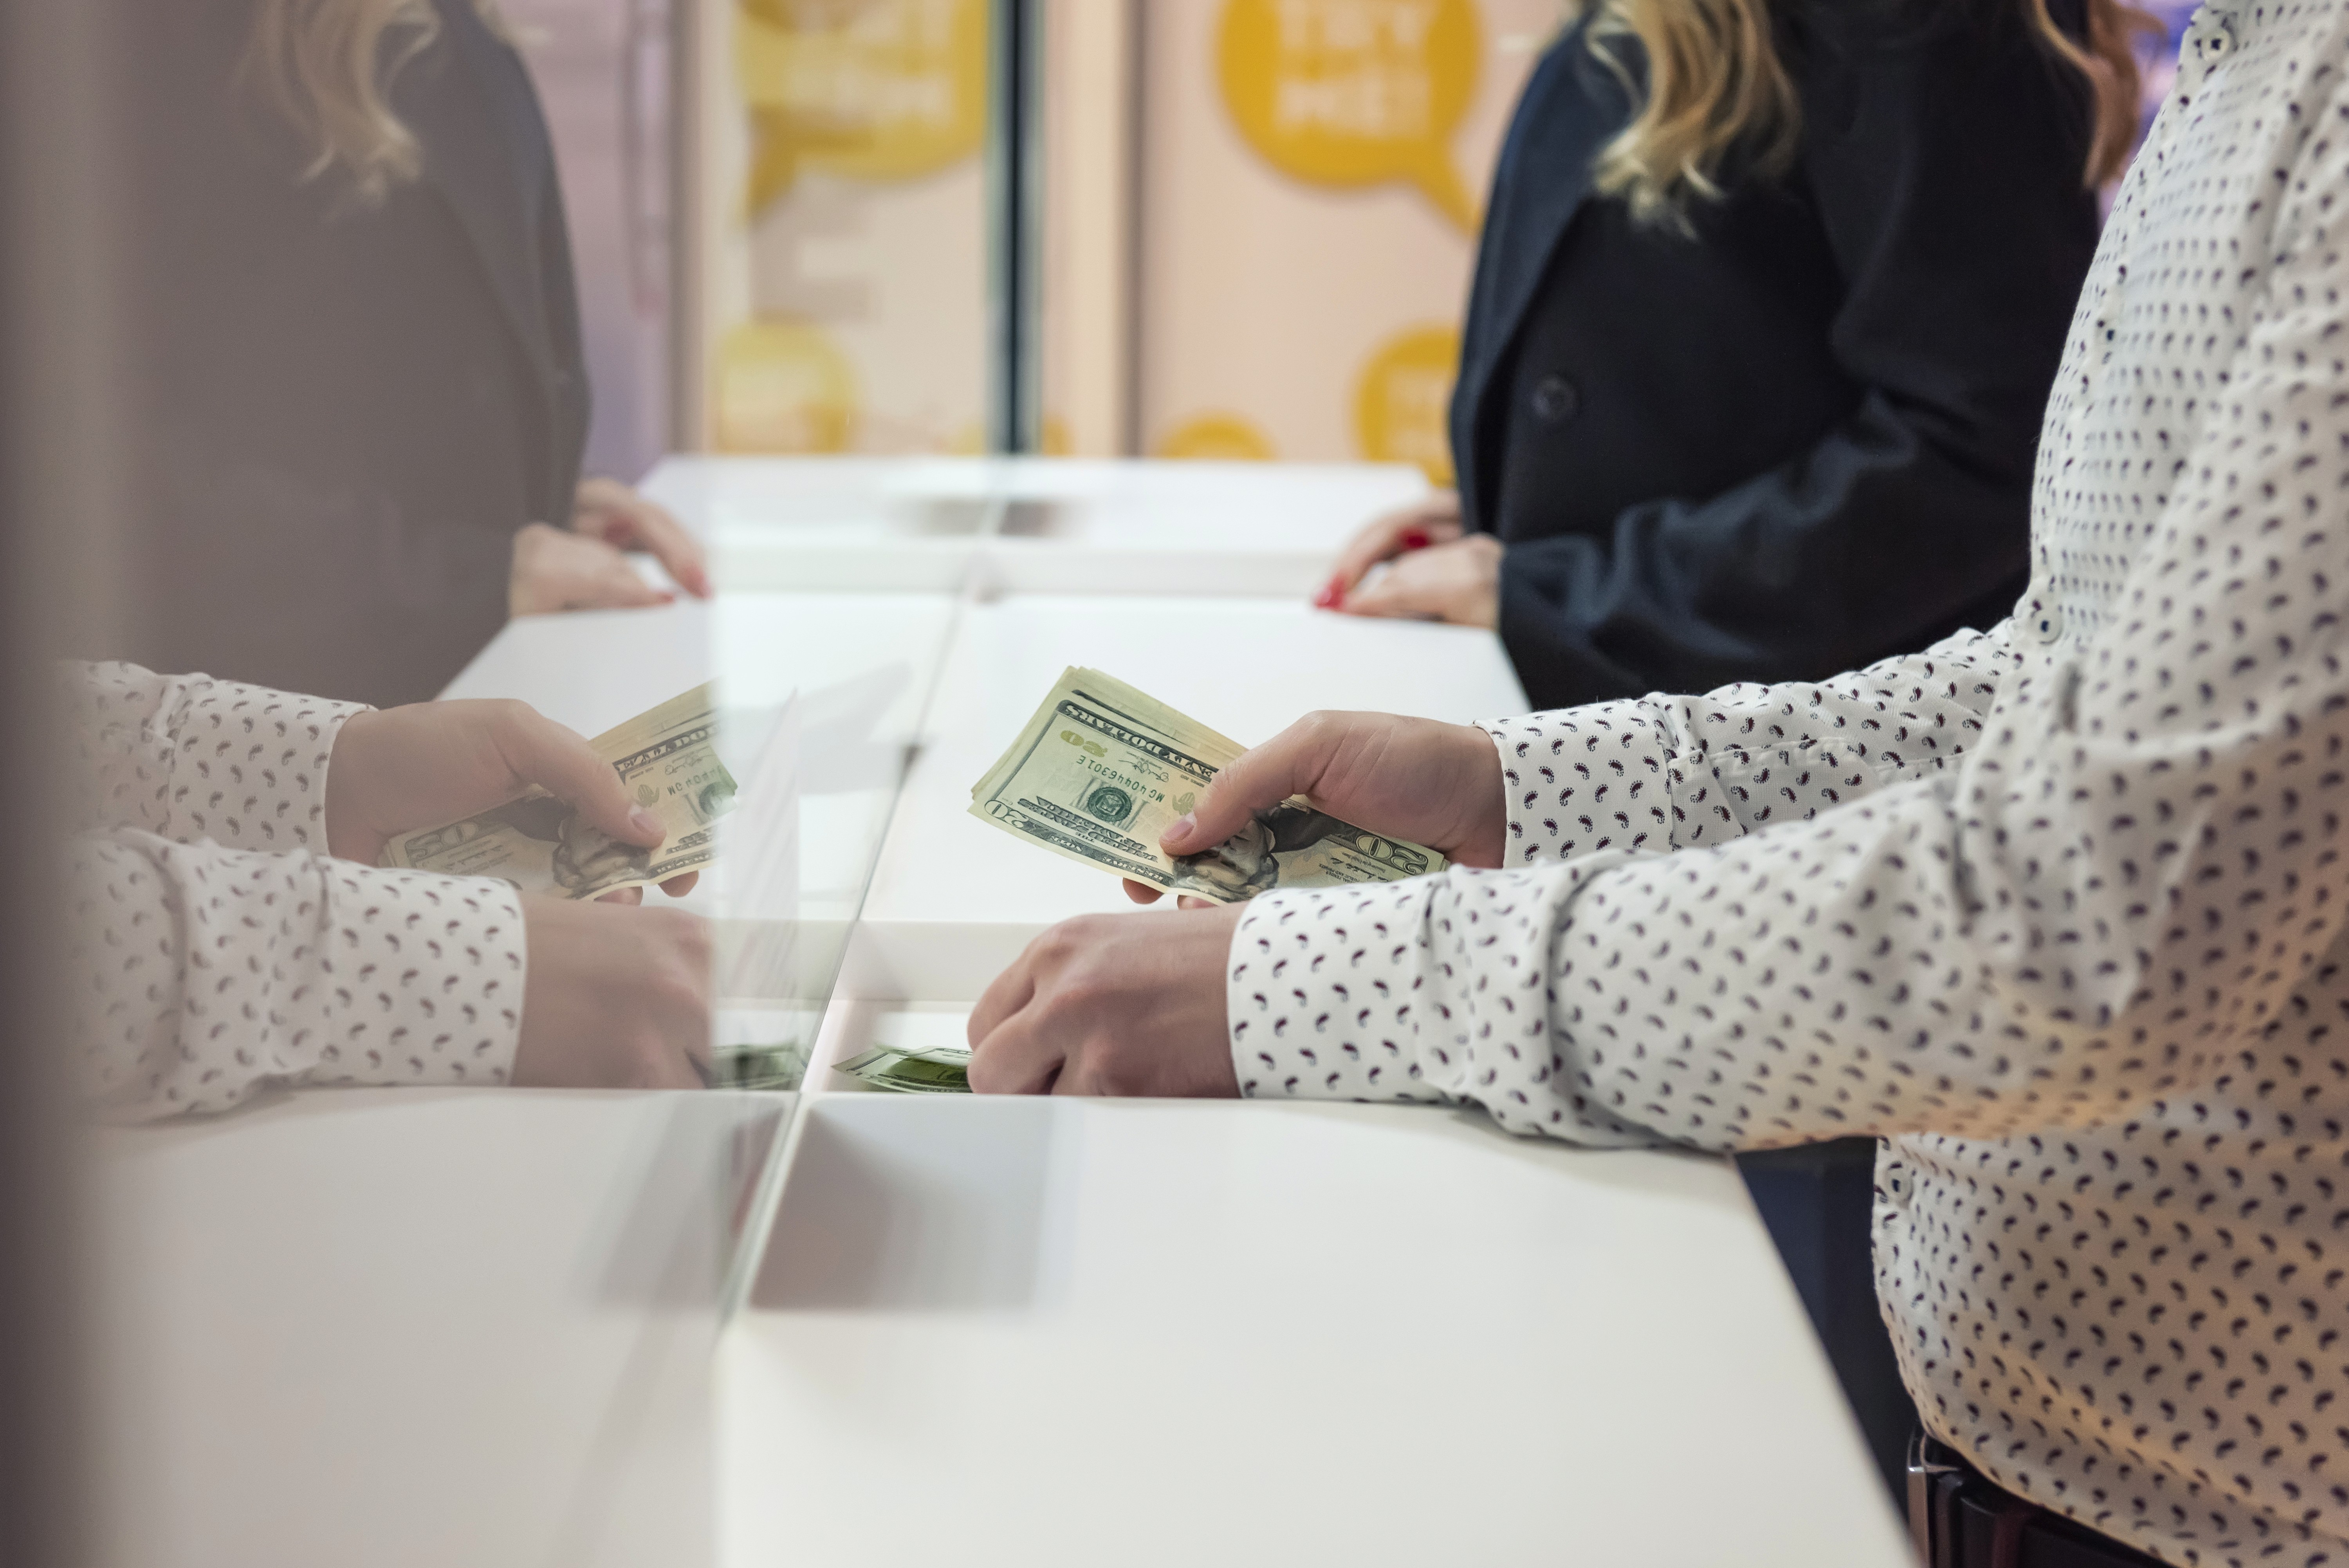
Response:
column 937, row 1070
column 668, row 758
column 1103, row 769
column 777, row 1066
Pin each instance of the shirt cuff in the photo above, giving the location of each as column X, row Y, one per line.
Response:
column 249, row 766
column 1318, row 992
column 421, row 981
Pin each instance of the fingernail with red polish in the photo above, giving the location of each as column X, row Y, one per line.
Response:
column 1332, row 594
column 1416, row 539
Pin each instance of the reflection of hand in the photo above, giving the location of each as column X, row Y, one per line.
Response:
column 1458, row 582
column 429, row 763
column 613, row 997
column 1433, row 520
column 1110, row 1004
column 614, row 512
column 1437, row 785
column 557, row 570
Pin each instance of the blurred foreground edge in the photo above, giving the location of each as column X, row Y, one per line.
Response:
column 58, row 576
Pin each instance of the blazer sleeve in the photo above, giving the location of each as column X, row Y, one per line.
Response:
column 1946, row 172
column 343, row 589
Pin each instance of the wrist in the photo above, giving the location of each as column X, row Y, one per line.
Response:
column 348, row 831
column 1485, row 842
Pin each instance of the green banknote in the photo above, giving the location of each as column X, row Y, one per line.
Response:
column 940, row 1070
column 668, row 758
column 776, row 1066
column 1102, row 770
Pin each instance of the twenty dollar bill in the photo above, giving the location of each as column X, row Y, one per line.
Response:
column 667, row 760
column 1102, row 770
column 937, row 1071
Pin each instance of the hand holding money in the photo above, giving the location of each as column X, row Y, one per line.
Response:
column 499, row 790
column 1433, row 784
column 1105, row 775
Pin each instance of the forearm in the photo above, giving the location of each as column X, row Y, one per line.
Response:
column 1671, row 772
column 1364, row 993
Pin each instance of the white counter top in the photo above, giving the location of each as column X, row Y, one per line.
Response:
column 394, row 1327
column 1027, row 525
column 455, row 1328
column 1038, row 1333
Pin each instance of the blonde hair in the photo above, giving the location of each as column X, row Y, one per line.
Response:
column 323, row 68
column 1715, row 81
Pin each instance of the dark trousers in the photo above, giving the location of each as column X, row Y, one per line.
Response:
column 1816, row 1202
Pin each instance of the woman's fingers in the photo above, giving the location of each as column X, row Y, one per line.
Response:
column 611, row 583
column 620, row 515
column 1407, row 592
column 1141, row 892
column 556, row 569
column 1382, row 540
column 1458, row 582
column 542, row 752
column 679, row 552
column 1433, row 521
column 1290, row 763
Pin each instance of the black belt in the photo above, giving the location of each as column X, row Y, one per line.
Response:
column 1958, row 1520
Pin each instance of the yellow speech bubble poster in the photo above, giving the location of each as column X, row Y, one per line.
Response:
column 1220, row 435
column 783, row 386
column 1355, row 92
column 1403, row 399
column 871, row 89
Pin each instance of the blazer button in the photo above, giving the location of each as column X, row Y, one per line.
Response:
column 1554, row 400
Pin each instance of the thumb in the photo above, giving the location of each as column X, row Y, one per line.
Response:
column 542, row 752
column 1290, row 763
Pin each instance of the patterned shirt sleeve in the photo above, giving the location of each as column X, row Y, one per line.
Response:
column 220, row 953
column 2044, row 900
column 1669, row 773
column 208, row 974
column 186, row 757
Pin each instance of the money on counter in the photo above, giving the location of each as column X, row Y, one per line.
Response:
column 668, row 761
column 940, row 1070
column 1102, row 770
column 777, row 1066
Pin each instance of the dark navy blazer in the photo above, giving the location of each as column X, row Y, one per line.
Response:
column 349, row 408
column 1801, row 437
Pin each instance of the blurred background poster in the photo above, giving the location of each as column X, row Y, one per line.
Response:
column 1259, row 218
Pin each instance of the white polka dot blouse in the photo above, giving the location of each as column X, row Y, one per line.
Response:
column 218, row 951
column 2056, row 910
